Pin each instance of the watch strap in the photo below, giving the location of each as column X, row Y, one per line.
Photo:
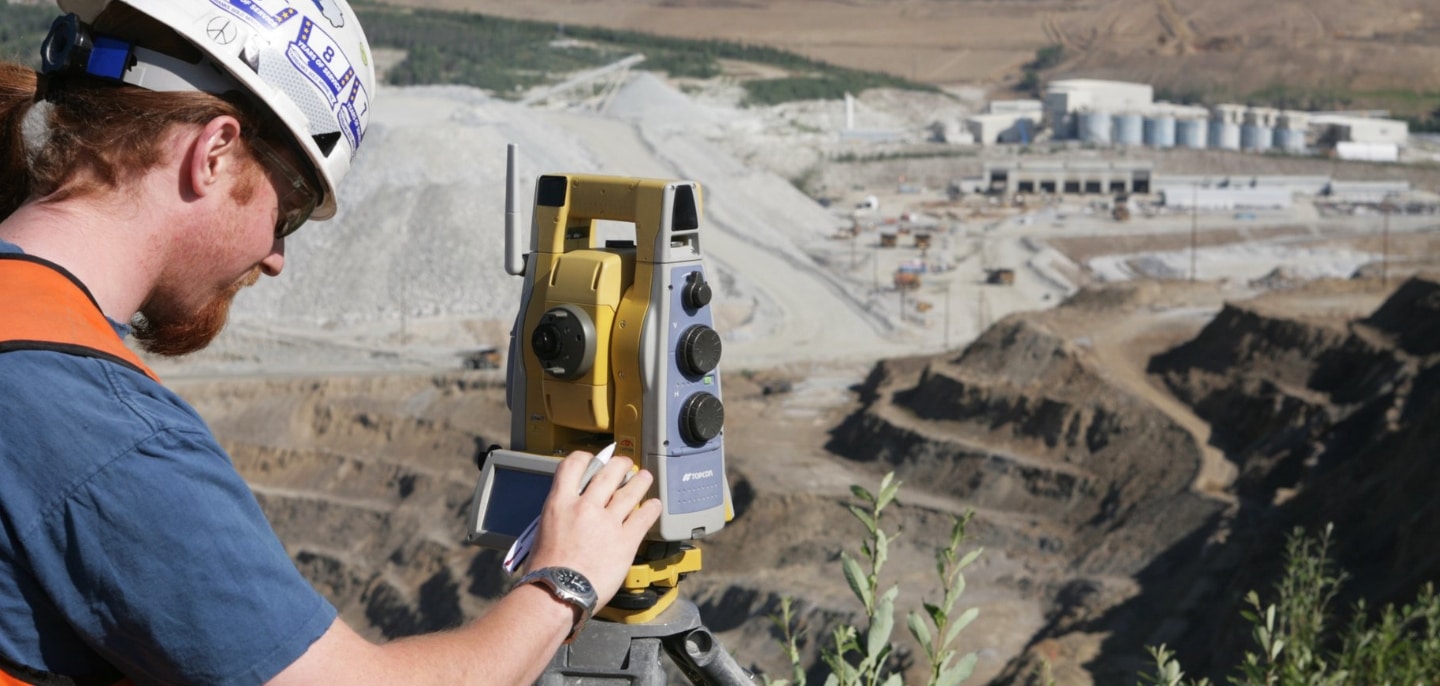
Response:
column 568, row 586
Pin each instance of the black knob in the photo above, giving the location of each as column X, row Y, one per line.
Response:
column 698, row 350
column 701, row 417
column 696, row 293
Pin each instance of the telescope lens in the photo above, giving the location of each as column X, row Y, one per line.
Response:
column 546, row 342
column 564, row 342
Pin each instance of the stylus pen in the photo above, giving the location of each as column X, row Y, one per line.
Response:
column 520, row 549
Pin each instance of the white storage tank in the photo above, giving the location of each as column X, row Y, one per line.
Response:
column 1290, row 131
column 1256, row 137
column 1094, row 127
column 1129, row 129
column 1290, row 140
column 1225, row 123
column 1190, row 133
column 1258, row 133
column 1160, row 131
column 1224, row 135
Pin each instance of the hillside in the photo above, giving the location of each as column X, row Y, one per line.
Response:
column 1381, row 53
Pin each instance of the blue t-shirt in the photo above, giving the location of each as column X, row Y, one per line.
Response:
column 128, row 538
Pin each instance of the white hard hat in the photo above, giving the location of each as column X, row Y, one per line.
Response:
column 308, row 61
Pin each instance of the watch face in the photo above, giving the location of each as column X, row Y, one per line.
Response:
column 573, row 580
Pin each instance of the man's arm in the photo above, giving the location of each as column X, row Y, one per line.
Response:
column 595, row 533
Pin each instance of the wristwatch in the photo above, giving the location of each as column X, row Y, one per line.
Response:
column 568, row 586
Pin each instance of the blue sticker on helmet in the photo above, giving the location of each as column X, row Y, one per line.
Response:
column 353, row 114
column 317, row 56
column 266, row 14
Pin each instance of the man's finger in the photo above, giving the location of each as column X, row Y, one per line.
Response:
column 609, row 478
column 568, row 472
column 629, row 495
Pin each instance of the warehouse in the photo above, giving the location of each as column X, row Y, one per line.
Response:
column 1074, row 177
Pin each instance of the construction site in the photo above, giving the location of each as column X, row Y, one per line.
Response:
column 1139, row 360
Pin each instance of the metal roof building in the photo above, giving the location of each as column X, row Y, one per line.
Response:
column 1066, row 97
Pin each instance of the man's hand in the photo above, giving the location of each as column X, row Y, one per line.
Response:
column 596, row 532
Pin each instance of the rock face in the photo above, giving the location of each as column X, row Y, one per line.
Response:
column 1329, row 424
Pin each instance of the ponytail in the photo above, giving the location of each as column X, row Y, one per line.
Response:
column 17, row 94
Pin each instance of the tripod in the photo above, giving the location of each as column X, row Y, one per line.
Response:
column 613, row 654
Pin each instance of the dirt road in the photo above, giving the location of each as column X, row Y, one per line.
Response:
column 1123, row 349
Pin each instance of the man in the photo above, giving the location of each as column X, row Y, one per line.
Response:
column 148, row 174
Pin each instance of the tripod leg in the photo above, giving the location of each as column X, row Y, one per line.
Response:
column 703, row 660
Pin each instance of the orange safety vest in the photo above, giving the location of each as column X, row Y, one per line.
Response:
column 44, row 307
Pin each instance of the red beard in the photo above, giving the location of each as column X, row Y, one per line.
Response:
column 174, row 336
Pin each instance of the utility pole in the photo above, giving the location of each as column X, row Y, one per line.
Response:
column 875, row 262
column 1385, row 247
column 947, row 315
column 1194, row 221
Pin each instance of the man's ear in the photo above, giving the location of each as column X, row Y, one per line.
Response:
column 215, row 153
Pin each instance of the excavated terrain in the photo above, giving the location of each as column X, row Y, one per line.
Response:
column 1134, row 457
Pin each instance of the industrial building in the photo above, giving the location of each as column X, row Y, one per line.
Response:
column 1010, row 127
column 1182, row 191
column 1074, row 177
column 1356, row 137
column 1361, row 129
column 1268, row 191
column 1006, row 121
column 1372, row 192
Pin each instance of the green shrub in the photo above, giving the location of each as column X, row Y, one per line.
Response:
column 854, row 657
column 1298, row 646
